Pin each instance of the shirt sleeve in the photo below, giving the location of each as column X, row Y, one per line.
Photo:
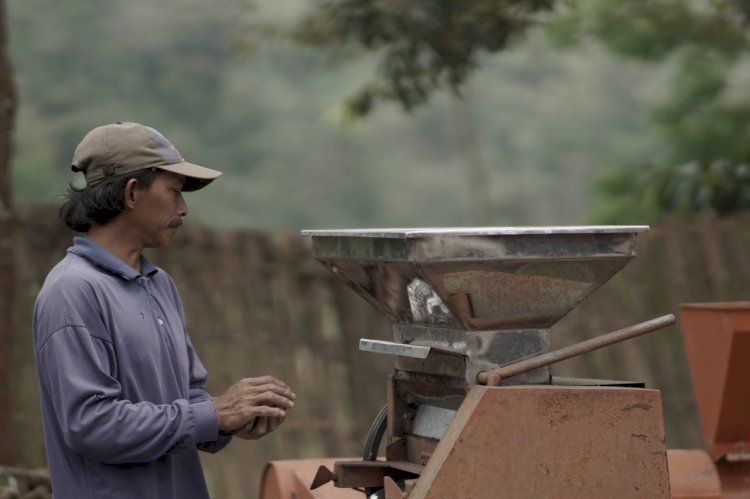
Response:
column 96, row 422
column 198, row 395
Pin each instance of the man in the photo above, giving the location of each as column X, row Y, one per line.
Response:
column 121, row 388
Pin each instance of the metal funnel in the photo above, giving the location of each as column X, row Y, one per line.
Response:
column 476, row 278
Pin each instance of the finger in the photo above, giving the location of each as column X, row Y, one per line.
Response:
column 272, row 387
column 264, row 411
column 249, row 425
column 243, row 431
column 256, row 429
column 261, row 426
column 269, row 383
column 248, row 414
column 259, row 429
column 263, row 380
column 252, row 390
column 271, row 399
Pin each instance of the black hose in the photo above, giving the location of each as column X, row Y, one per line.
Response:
column 372, row 445
column 375, row 436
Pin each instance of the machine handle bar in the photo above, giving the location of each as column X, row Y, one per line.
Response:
column 495, row 376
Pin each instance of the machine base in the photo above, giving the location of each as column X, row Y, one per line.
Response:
column 532, row 442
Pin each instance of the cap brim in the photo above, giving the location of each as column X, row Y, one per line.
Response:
column 196, row 177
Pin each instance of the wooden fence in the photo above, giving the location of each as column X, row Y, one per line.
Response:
column 257, row 303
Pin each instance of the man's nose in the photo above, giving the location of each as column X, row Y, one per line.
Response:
column 182, row 209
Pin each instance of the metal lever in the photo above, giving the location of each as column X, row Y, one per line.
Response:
column 495, row 376
column 392, row 348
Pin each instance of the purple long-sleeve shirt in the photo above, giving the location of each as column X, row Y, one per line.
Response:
column 121, row 388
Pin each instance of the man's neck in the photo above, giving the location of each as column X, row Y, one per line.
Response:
column 115, row 239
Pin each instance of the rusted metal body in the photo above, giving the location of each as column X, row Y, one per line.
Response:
column 526, row 442
column 693, row 475
column 469, row 307
column 717, row 344
column 716, row 337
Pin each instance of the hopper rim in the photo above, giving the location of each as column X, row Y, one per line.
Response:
column 421, row 232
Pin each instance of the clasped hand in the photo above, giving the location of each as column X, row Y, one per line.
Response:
column 254, row 407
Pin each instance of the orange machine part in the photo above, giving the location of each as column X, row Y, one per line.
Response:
column 291, row 479
column 717, row 345
column 692, row 475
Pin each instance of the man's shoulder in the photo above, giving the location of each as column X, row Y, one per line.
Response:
column 66, row 290
column 73, row 271
column 72, row 279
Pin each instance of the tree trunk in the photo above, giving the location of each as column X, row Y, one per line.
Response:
column 8, row 449
column 476, row 173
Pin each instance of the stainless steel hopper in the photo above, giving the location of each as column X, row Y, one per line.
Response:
column 476, row 278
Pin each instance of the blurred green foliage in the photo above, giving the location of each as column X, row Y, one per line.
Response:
column 421, row 46
column 703, row 120
column 269, row 113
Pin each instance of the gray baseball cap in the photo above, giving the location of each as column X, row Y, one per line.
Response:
column 123, row 148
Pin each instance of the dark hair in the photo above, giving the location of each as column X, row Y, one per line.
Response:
column 99, row 203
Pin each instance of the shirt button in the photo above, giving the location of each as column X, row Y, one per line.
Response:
column 161, row 322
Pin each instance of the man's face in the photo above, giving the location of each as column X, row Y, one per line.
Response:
column 159, row 210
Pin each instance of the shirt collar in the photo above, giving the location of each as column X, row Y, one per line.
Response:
column 107, row 261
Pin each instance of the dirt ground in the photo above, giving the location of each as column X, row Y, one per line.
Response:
column 18, row 483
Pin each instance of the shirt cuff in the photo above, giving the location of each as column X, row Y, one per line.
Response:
column 206, row 422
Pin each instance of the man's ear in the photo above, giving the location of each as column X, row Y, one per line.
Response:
column 130, row 192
